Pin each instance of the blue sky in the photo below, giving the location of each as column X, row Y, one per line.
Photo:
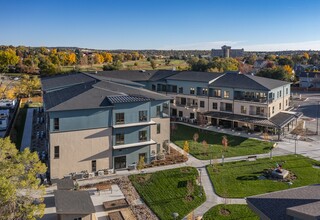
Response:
column 162, row 24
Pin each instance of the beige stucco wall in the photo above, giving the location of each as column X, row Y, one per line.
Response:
column 275, row 104
column 78, row 149
column 164, row 132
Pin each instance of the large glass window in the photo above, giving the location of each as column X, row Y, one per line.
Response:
column 243, row 109
column 217, row 93
column 119, row 139
column 226, row 94
column 143, row 116
column 228, row 107
column 119, row 118
column 192, row 91
column 142, row 135
column 180, row 89
column 202, row 104
column 158, row 111
column 214, row 105
column 204, row 91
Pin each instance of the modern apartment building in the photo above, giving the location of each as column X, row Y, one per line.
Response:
column 222, row 99
column 97, row 123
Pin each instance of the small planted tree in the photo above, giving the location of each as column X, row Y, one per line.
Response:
column 190, row 190
column 225, row 143
column 186, row 148
column 195, row 137
column 205, row 147
column 141, row 163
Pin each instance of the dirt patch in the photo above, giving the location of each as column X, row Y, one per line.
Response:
column 189, row 198
column 224, row 212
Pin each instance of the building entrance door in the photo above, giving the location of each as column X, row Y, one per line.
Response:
column 120, row 162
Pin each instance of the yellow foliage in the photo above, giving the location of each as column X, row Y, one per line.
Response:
column 98, row 58
column 288, row 69
column 72, row 58
column 108, row 58
column 186, row 147
column 306, row 55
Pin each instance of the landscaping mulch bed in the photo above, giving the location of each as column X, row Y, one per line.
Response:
column 141, row 211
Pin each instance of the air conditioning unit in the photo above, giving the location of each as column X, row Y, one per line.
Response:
column 91, row 175
column 100, row 173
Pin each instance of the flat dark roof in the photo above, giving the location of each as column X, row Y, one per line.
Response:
column 275, row 205
column 65, row 184
column 73, row 202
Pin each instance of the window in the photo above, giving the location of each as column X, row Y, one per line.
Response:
column 272, row 109
column 287, row 91
column 153, row 87
column 56, row 152
column 94, row 165
column 217, row 93
column 142, row 135
column 192, row 91
column 243, row 109
column 204, row 91
column 56, row 124
column 183, row 101
column 77, row 218
column 280, row 93
column 143, row 116
column 174, row 89
column 180, row 114
column 119, row 139
column 201, row 104
column 228, row 107
column 158, row 128
column 226, row 94
column 279, row 106
column 180, row 89
column 158, row 111
column 158, row 148
column 191, row 115
column 214, row 105
column 286, row 102
column 259, row 111
column 119, row 118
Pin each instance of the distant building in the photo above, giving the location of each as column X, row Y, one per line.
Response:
column 227, row 52
column 309, row 80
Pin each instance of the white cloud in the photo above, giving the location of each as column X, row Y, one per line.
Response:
column 201, row 45
column 305, row 45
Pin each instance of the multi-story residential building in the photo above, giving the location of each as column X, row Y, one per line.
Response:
column 97, row 124
column 223, row 99
column 226, row 52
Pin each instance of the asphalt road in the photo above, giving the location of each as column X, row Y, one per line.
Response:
column 311, row 111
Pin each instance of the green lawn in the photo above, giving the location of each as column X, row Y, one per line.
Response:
column 224, row 212
column 240, row 179
column 237, row 146
column 165, row 191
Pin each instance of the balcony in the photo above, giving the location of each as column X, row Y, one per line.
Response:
column 137, row 144
column 134, row 124
column 187, row 104
column 255, row 113
column 250, row 99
